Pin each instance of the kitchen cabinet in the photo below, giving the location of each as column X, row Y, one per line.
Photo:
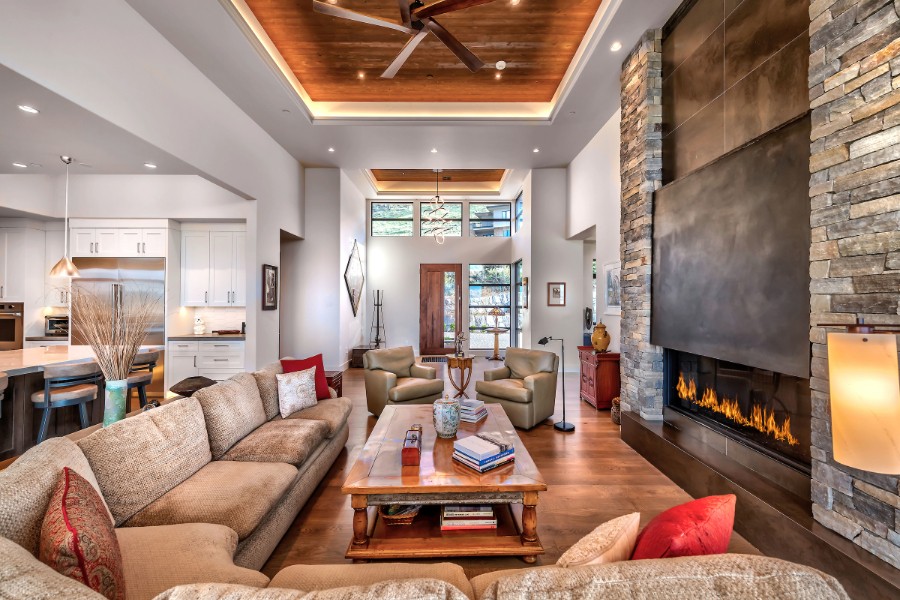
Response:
column 118, row 242
column 142, row 242
column 56, row 289
column 217, row 360
column 13, row 265
column 94, row 242
column 213, row 268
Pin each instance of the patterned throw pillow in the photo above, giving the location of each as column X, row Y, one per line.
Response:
column 611, row 542
column 78, row 539
column 296, row 391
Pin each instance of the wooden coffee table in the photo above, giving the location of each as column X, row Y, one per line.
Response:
column 377, row 479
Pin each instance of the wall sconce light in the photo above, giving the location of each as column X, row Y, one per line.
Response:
column 864, row 380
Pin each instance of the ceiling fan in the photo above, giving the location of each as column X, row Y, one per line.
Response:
column 418, row 21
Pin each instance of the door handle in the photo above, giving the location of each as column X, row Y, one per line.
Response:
column 91, row 251
column 144, row 244
column 206, row 297
column 195, row 362
column 138, row 247
column 220, row 360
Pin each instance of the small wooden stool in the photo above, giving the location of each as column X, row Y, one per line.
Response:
column 141, row 375
column 67, row 385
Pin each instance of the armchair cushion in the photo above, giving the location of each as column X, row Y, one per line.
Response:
column 413, row 388
column 522, row 362
column 496, row 374
column 513, row 390
column 394, row 360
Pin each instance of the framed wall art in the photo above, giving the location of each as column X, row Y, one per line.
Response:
column 612, row 277
column 354, row 278
column 556, row 293
column 269, row 287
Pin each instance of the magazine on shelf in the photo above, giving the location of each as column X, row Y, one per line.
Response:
column 463, row 510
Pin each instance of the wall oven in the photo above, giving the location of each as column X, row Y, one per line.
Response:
column 11, row 326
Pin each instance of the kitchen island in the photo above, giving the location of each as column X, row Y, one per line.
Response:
column 18, row 418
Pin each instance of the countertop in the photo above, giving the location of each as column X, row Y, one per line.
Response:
column 207, row 336
column 33, row 360
column 48, row 338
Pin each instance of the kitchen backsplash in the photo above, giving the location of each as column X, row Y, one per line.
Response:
column 221, row 318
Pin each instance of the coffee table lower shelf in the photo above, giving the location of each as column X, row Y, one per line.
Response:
column 424, row 538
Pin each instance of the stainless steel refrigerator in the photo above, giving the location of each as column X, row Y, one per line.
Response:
column 145, row 274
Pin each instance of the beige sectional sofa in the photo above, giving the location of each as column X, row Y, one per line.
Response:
column 202, row 489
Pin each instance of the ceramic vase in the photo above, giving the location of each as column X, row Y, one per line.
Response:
column 600, row 337
column 446, row 417
column 116, row 396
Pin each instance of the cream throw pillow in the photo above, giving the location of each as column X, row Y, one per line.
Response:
column 611, row 542
column 296, row 391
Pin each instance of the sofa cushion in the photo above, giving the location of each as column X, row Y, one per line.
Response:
column 230, row 493
column 523, row 362
column 506, row 389
column 481, row 583
column 323, row 577
column 413, row 388
column 691, row 529
column 280, row 441
column 24, row 576
column 732, row 576
column 292, row 365
column 158, row 558
column 610, row 542
column 394, row 360
column 27, row 484
column 140, row 458
column 410, row 589
column 334, row 413
column 268, row 387
column 77, row 537
column 296, row 391
column 232, row 409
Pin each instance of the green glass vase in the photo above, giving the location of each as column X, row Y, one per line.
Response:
column 116, row 396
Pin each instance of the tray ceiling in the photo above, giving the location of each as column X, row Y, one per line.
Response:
column 453, row 181
column 336, row 60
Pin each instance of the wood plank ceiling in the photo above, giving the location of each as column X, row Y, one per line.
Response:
column 337, row 60
column 427, row 175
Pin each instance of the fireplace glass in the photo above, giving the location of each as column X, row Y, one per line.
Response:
column 766, row 410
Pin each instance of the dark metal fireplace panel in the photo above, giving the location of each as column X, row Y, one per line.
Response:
column 731, row 256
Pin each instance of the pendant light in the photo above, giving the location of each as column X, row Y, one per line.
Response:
column 65, row 267
column 438, row 214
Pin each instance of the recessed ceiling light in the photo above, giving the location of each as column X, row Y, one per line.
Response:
column 331, row 149
column 149, row 165
column 498, row 76
column 20, row 165
column 514, row 2
column 536, row 150
column 361, row 75
column 29, row 109
column 434, row 150
column 501, row 64
column 616, row 46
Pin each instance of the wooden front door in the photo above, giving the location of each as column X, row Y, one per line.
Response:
column 440, row 307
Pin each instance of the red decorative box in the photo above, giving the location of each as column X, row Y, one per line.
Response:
column 412, row 448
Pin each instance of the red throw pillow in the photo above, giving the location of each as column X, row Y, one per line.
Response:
column 78, row 539
column 693, row 529
column 291, row 366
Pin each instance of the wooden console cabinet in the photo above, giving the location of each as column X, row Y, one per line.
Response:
column 600, row 381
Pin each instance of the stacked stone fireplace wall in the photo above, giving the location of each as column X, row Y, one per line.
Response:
column 854, row 81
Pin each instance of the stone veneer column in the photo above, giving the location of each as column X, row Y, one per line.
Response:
column 641, row 171
column 854, row 79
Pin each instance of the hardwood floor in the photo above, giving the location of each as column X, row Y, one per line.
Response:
column 592, row 475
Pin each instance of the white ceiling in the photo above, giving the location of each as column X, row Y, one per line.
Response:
column 205, row 32
column 63, row 127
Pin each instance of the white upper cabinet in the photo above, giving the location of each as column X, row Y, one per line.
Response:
column 213, row 268
column 118, row 242
column 81, row 242
column 154, row 242
column 13, row 265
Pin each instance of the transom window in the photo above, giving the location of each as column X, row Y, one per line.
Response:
column 453, row 217
column 520, row 212
column 392, row 219
column 489, row 288
column 490, row 220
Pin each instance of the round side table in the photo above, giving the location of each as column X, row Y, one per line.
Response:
column 464, row 365
column 496, row 331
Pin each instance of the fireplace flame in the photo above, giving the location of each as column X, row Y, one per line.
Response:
column 761, row 418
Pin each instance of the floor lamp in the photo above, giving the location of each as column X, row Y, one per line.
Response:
column 561, row 425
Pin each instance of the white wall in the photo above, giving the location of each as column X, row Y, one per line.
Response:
column 105, row 57
column 594, row 200
column 352, row 228
column 36, row 194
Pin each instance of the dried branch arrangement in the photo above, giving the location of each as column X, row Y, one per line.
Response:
column 114, row 325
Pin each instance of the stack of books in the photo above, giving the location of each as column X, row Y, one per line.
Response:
column 472, row 411
column 483, row 452
column 459, row 518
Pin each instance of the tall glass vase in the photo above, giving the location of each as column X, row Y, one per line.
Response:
column 116, row 397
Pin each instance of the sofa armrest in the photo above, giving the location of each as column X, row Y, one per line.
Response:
column 495, row 374
column 422, row 372
column 332, row 392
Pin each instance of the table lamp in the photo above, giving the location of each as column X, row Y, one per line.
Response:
column 496, row 313
column 865, row 400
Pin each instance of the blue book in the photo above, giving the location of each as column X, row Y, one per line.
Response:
column 490, row 459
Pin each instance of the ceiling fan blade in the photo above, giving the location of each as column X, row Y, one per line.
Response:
column 456, row 47
column 352, row 15
column 404, row 54
column 444, row 6
column 404, row 12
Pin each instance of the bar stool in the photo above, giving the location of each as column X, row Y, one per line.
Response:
column 4, row 381
column 142, row 374
column 67, row 385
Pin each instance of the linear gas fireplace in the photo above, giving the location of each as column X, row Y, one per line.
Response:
column 765, row 410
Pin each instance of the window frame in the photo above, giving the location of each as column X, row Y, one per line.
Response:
column 518, row 279
column 422, row 220
column 519, row 212
column 474, row 220
column 373, row 219
column 507, row 307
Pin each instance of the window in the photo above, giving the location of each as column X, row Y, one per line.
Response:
column 489, row 220
column 392, row 219
column 453, row 217
column 519, row 314
column 489, row 288
column 520, row 211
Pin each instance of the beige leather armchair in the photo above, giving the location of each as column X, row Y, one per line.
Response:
column 393, row 377
column 525, row 387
